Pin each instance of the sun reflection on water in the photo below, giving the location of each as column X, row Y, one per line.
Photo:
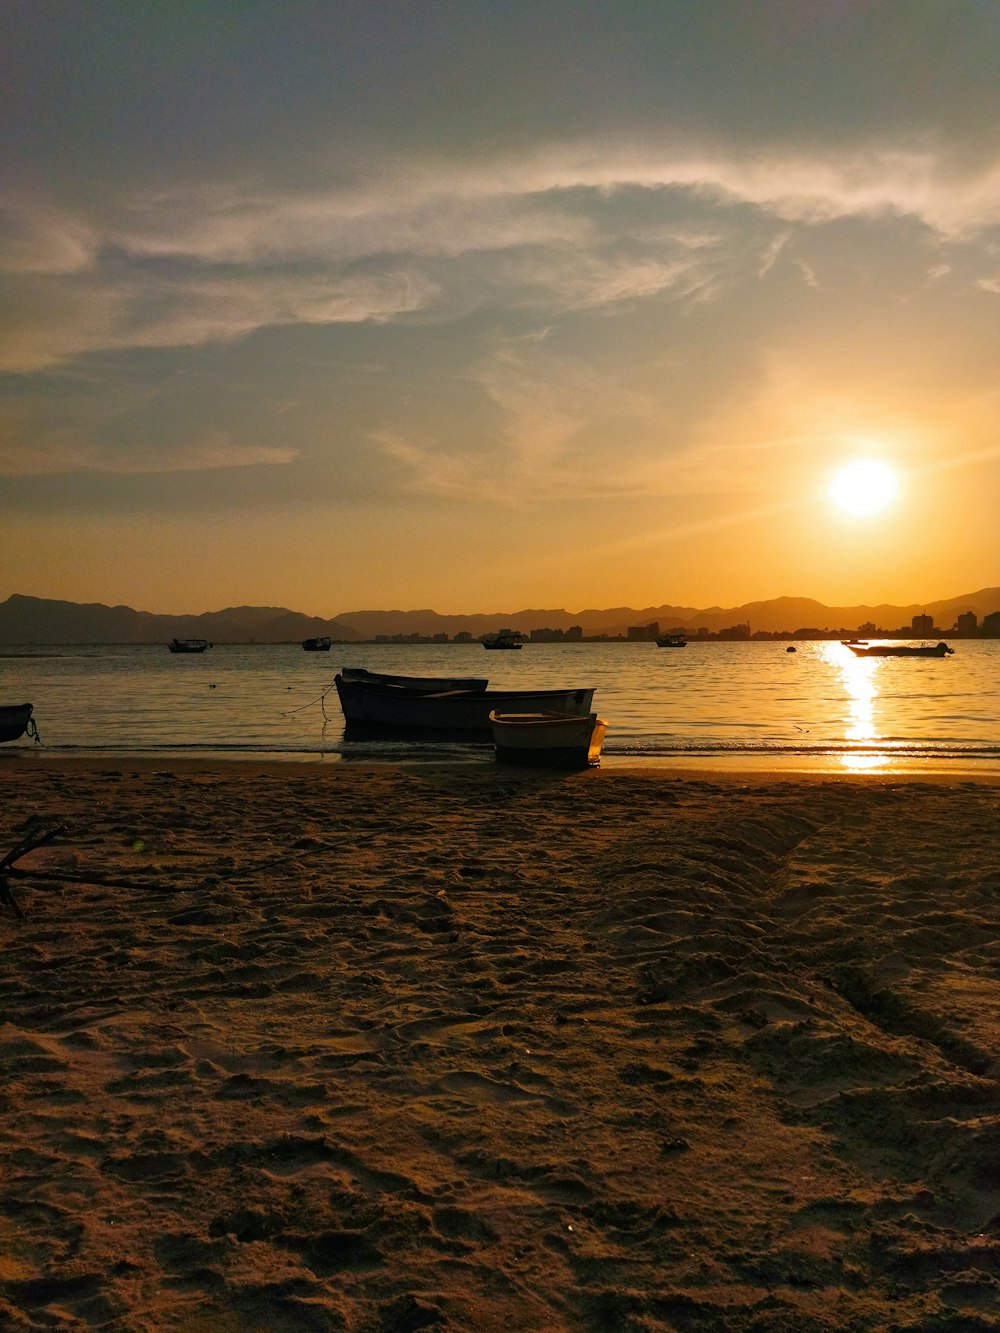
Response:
column 860, row 676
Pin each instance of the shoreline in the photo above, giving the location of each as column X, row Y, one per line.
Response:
column 723, row 767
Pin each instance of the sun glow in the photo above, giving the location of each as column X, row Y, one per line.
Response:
column 864, row 487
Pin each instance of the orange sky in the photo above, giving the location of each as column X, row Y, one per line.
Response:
column 540, row 306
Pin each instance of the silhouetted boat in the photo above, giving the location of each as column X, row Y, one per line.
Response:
column 548, row 740
column 422, row 684
column 16, row 721
column 188, row 645
column 372, row 704
column 322, row 643
column 503, row 638
column 671, row 641
column 898, row 649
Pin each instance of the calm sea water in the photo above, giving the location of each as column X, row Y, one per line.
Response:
column 712, row 704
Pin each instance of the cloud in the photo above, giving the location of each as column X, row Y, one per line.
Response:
column 51, row 321
column 63, row 447
column 571, row 226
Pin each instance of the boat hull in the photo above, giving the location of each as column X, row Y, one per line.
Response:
column 548, row 740
column 395, row 707
column 422, row 684
column 188, row 645
column 15, row 720
column 898, row 650
column 319, row 645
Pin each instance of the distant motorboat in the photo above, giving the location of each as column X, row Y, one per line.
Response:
column 188, row 645
column 671, row 641
column 369, row 704
column 503, row 638
column 16, row 721
column 322, row 643
column 898, row 649
column 548, row 740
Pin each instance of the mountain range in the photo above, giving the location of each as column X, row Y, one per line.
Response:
column 37, row 620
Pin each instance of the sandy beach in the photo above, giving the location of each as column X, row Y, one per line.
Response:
column 327, row 1047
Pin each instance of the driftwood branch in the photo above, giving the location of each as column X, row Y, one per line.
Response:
column 38, row 835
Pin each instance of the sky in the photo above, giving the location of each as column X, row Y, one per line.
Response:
column 491, row 304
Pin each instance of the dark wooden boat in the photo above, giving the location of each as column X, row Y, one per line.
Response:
column 503, row 638
column 423, row 684
column 188, row 645
column 548, row 740
column 671, row 641
column 322, row 643
column 395, row 707
column 16, row 721
column 898, row 649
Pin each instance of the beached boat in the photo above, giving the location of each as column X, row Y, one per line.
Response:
column 898, row 649
column 16, row 721
column 671, row 641
column 397, row 707
column 188, row 645
column 322, row 643
column 548, row 740
column 423, row 684
column 503, row 638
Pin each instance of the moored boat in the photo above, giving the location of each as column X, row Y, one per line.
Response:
column 372, row 704
column 898, row 649
column 548, row 740
column 188, row 645
column 423, row 684
column 503, row 638
column 16, row 721
column 322, row 643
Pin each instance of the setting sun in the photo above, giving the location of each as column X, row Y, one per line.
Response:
column 864, row 487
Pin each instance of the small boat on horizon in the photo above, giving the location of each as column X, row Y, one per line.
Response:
column 322, row 643
column 503, row 638
column 548, row 740
column 16, row 721
column 188, row 645
column 898, row 649
column 671, row 641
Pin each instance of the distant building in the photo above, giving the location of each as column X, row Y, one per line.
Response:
column 574, row 634
column 991, row 625
column 967, row 623
column 922, row 625
column 868, row 629
column 644, row 632
column 736, row 632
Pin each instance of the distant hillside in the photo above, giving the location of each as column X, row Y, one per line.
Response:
column 775, row 615
column 36, row 620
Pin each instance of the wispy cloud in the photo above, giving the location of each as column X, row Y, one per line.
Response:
column 188, row 267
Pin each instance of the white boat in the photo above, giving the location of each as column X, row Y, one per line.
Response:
column 548, row 740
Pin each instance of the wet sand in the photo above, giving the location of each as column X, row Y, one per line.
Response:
column 323, row 1047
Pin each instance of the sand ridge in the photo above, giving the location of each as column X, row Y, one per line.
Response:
column 393, row 1049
